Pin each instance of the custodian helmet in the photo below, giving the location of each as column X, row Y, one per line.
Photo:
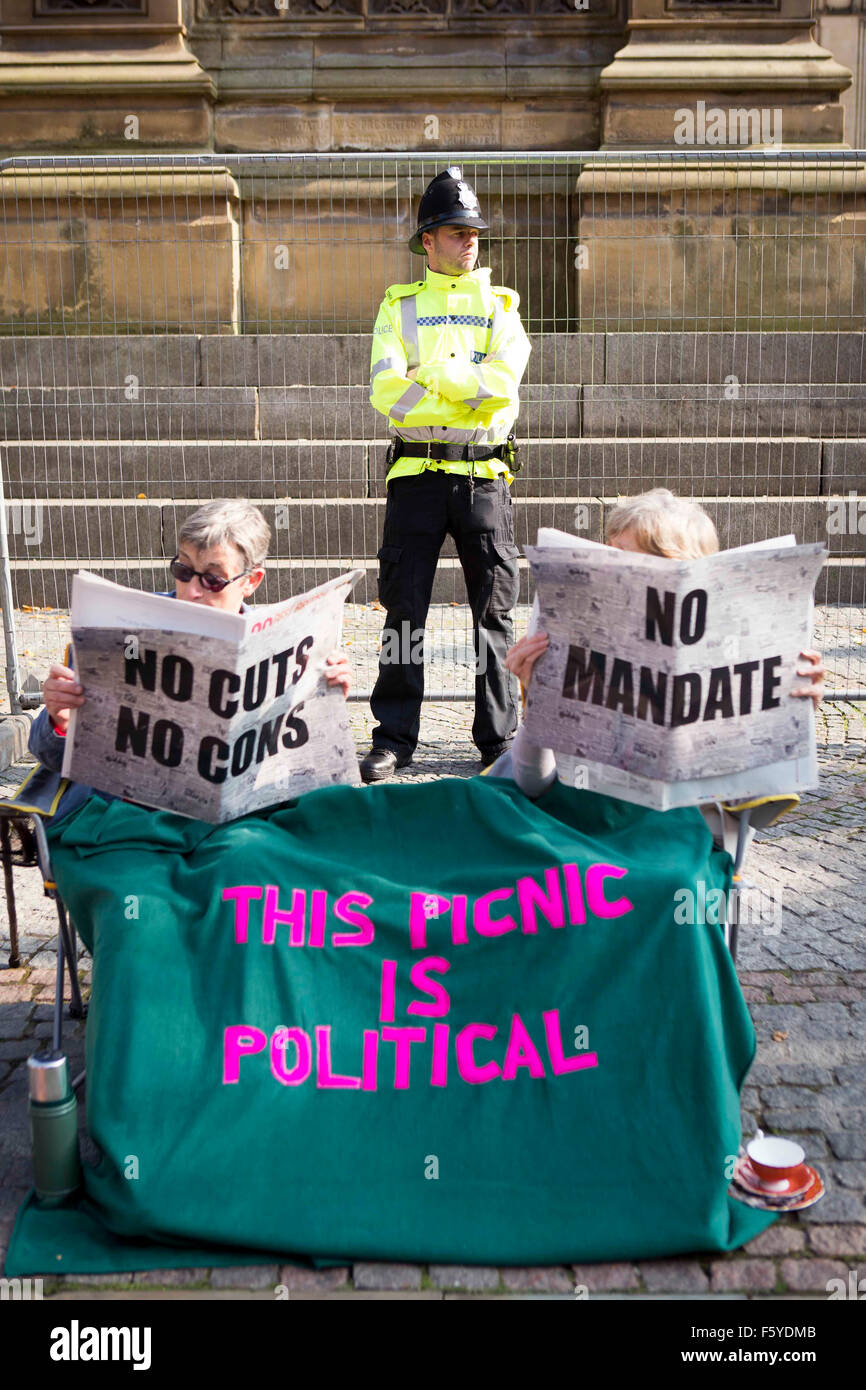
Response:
column 448, row 200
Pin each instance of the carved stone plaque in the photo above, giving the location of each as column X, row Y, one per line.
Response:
column 88, row 7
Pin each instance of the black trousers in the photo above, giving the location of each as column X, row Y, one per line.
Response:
column 420, row 512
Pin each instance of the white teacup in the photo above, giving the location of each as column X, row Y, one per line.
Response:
column 775, row 1161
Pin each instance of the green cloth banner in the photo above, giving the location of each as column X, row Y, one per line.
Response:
column 424, row 1023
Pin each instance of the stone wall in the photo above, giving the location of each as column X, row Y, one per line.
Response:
column 425, row 75
column 309, row 245
column 431, row 76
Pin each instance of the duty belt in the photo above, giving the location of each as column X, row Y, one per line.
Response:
column 448, row 453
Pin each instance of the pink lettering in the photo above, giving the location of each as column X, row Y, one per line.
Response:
column 369, row 1070
column 481, row 919
column 326, row 1079
column 574, row 893
column 419, row 976
column 439, row 1073
column 598, row 903
column 291, row 1076
column 466, row 1064
column 345, row 911
column 242, row 896
column 318, row 908
column 530, row 896
column 520, row 1052
column 274, row 916
column 458, row 920
column 579, row 1062
column 403, row 1039
column 239, row 1042
column 387, row 991
column 422, row 906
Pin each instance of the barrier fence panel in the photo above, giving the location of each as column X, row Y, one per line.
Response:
column 177, row 328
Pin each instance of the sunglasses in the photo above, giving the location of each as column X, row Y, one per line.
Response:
column 214, row 583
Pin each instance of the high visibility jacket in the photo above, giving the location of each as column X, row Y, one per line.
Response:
column 466, row 340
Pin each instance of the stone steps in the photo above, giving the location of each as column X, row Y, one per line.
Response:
column 760, row 466
column 822, row 411
column 322, row 413
column 273, row 359
column 334, row 527
column 216, row 468
column 273, row 413
column 316, row 539
column 266, row 359
column 115, row 437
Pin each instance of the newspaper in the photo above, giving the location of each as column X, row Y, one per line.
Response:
column 667, row 682
column 207, row 713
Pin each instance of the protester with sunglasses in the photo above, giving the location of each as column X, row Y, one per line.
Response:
column 221, row 551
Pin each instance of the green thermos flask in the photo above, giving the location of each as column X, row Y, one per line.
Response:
column 54, row 1128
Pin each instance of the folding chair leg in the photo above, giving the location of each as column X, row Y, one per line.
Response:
column 66, row 948
column 58, row 994
column 734, row 924
column 77, row 1007
column 6, row 854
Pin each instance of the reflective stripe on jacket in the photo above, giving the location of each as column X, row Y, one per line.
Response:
column 466, row 340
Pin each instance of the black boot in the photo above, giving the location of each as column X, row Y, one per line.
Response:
column 381, row 763
column 490, row 755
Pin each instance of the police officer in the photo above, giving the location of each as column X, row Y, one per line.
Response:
column 448, row 355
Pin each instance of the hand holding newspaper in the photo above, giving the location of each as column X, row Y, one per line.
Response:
column 666, row 682
column 206, row 713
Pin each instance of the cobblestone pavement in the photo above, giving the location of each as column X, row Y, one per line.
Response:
column 803, row 970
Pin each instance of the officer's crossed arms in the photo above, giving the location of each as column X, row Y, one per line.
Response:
column 416, row 396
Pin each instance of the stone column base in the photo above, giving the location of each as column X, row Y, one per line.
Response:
column 120, row 250
column 724, row 245
column 103, row 81
column 68, row 117
column 662, row 90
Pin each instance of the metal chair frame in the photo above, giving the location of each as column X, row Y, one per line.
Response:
column 67, row 946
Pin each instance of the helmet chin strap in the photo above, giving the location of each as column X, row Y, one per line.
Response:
column 455, row 273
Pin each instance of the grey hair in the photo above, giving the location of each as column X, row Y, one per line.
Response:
column 229, row 521
column 665, row 524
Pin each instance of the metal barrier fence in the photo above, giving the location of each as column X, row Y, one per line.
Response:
column 176, row 328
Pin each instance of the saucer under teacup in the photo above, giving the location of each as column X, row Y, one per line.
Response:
column 794, row 1186
column 752, row 1196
